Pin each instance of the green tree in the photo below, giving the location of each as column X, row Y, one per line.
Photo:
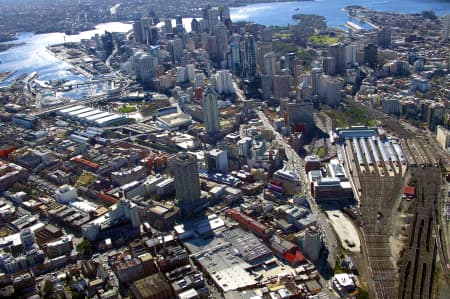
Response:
column 84, row 247
column 47, row 288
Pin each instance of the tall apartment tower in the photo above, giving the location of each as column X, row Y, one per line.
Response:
column 210, row 111
column 187, row 183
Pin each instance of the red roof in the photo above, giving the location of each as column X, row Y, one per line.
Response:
column 410, row 190
column 294, row 258
column 85, row 162
column 108, row 198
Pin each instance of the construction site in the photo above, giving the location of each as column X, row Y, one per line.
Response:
column 400, row 235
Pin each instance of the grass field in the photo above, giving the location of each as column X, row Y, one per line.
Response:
column 127, row 109
column 322, row 152
column 283, row 35
column 351, row 115
column 324, row 40
column 86, row 179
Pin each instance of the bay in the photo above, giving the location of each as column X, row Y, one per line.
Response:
column 280, row 13
column 32, row 55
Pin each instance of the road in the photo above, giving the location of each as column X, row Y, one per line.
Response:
column 298, row 164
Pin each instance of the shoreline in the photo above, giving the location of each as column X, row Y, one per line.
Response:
column 7, row 46
column 62, row 58
column 6, row 75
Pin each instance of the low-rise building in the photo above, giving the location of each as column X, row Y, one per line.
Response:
column 152, row 287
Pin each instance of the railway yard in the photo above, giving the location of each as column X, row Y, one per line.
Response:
column 400, row 243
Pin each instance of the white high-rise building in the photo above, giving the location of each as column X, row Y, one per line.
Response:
column 350, row 55
column 190, row 69
column 181, row 74
column 270, row 64
column 199, row 80
column 211, row 111
column 222, row 82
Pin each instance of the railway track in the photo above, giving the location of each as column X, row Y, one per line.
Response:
column 419, row 260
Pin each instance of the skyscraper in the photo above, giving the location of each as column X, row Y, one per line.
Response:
column 210, row 111
column 146, row 69
column 224, row 12
column 385, row 38
column 250, row 56
column 446, row 24
column 235, row 57
column 371, row 55
column 27, row 238
column 187, row 183
column 350, row 55
column 195, row 25
column 178, row 20
column 221, row 33
column 270, row 67
column 168, row 26
column 316, row 73
column 175, row 48
column 312, row 244
column 213, row 19
column 337, row 51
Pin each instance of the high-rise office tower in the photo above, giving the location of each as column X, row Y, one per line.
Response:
column 266, row 35
column 316, row 74
column 178, row 20
column 168, row 26
column 224, row 13
column 235, row 57
column 195, row 25
column 337, row 51
column 146, row 69
column 250, row 56
column 27, row 238
column 371, row 55
column 270, row 67
column 384, row 37
column 175, row 48
column 221, row 33
column 187, row 183
column 446, row 24
column 211, row 111
column 213, row 19
column 329, row 66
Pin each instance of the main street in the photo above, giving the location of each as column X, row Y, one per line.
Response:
column 298, row 164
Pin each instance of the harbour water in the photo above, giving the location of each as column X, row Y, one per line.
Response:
column 32, row 56
column 280, row 13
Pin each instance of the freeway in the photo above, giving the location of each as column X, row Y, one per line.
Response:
column 298, row 164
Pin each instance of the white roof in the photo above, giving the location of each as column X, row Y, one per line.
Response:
column 97, row 116
column 344, row 280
